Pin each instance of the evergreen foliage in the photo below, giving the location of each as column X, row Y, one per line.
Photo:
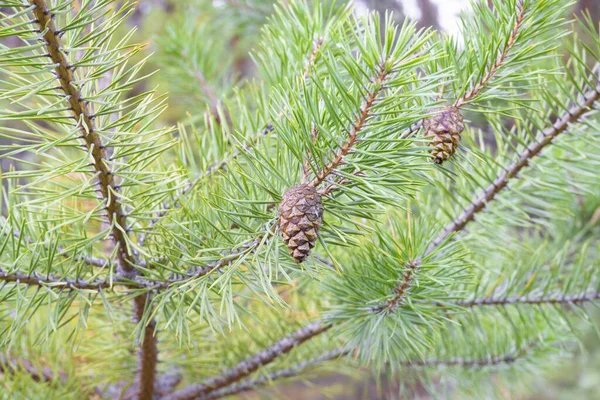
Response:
column 464, row 277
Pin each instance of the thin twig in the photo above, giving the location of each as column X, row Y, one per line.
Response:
column 88, row 260
column 401, row 291
column 222, row 165
column 499, row 60
column 251, row 364
column 559, row 299
column 251, row 384
column 472, row 362
column 358, row 125
column 213, row 101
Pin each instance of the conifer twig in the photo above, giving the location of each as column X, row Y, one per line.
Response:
column 547, row 136
column 50, row 281
column 492, row 360
column 106, row 184
column 213, row 101
column 85, row 122
column 221, row 165
column 357, row 127
column 468, row 214
column 499, row 60
column 252, row 363
column 251, row 384
column 89, row 260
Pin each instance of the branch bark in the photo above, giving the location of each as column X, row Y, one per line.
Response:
column 50, row 281
column 357, row 127
column 252, row 363
column 107, row 186
column 560, row 299
column 276, row 375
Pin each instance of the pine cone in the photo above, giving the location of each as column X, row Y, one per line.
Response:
column 300, row 217
column 444, row 129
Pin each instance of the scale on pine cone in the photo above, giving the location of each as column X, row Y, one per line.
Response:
column 300, row 217
column 444, row 129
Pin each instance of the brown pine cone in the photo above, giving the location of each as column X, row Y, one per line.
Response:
column 300, row 217
column 444, row 129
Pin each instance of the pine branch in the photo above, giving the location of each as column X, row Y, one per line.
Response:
column 222, row 165
column 499, row 60
column 357, row 127
column 295, row 370
column 472, row 363
column 559, row 299
column 573, row 115
column 219, row 166
column 50, row 281
column 85, row 122
column 107, row 187
column 401, row 290
column 252, row 363
column 313, row 57
column 14, row 365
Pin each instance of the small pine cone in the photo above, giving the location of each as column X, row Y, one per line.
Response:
column 300, row 217
column 444, row 129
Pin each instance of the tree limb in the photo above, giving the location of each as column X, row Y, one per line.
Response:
column 559, row 299
column 52, row 282
column 295, row 370
column 252, row 363
column 106, row 185
column 574, row 114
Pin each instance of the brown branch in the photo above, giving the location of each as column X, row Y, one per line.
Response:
column 468, row 214
column 357, row 127
column 472, row 363
column 218, row 166
column 106, row 183
column 313, row 57
column 499, row 60
column 276, row 375
column 401, row 291
column 297, row 369
column 85, row 122
column 252, row 363
column 50, row 281
column 560, row 299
